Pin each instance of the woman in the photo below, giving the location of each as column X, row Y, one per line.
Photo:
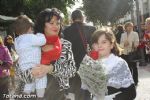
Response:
column 129, row 42
column 5, row 64
column 49, row 22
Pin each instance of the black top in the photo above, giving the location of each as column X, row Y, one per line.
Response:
column 72, row 34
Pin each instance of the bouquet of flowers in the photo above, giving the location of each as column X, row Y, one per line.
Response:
column 93, row 75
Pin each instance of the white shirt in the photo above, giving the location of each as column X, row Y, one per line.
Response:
column 28, row 47
column 132, row 38
column 119, row 75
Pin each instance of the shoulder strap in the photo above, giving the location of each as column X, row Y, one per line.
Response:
column 84, row 40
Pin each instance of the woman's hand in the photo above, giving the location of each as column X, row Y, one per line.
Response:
column 41, row 70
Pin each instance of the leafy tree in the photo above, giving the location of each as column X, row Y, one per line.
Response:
column 32, row 7
column 103, row 11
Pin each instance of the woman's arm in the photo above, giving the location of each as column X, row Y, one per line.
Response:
column 25, row 76
column 29, row 75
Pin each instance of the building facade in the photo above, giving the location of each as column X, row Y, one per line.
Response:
column 139, row 7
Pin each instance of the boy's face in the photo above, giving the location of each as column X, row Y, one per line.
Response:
column 103, row 46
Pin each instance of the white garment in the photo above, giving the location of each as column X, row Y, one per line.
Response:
column 28, row 47
column 132, row 38
column 108, row 97
column 119, row 75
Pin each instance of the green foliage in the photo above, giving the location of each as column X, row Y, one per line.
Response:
column 31, row 7
column 103, row 11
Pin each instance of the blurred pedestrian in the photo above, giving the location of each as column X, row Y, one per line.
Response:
column 147, row 39
column 129, row 42
column 5, row 64
column 9, row 43
column 120, row 30
column 79, row 34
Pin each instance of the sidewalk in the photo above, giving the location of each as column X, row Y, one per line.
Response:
column 143, row 88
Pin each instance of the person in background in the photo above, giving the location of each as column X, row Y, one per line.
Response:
column 28, row 48
column 59, row 71
column 5, row 64
column 120, row 79
column 79, row 34
column 9, row 43
column 120, row 30
column 129, row 42
column 147, row 39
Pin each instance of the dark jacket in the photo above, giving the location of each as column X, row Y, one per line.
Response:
column 118, row 36
column 72, row 34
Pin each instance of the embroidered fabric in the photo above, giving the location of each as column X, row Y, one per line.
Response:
column 119, row 76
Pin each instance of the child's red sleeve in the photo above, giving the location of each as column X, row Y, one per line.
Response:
column 52, row 55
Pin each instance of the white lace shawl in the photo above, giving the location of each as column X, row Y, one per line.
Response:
column 119, row 75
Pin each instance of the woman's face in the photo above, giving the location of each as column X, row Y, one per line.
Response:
column 129, row 28
column 52, row 27
column 103, row 46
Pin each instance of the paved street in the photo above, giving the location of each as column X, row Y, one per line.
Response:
column 143, row 89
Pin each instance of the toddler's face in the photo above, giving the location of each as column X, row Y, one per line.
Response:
column 103, row 46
